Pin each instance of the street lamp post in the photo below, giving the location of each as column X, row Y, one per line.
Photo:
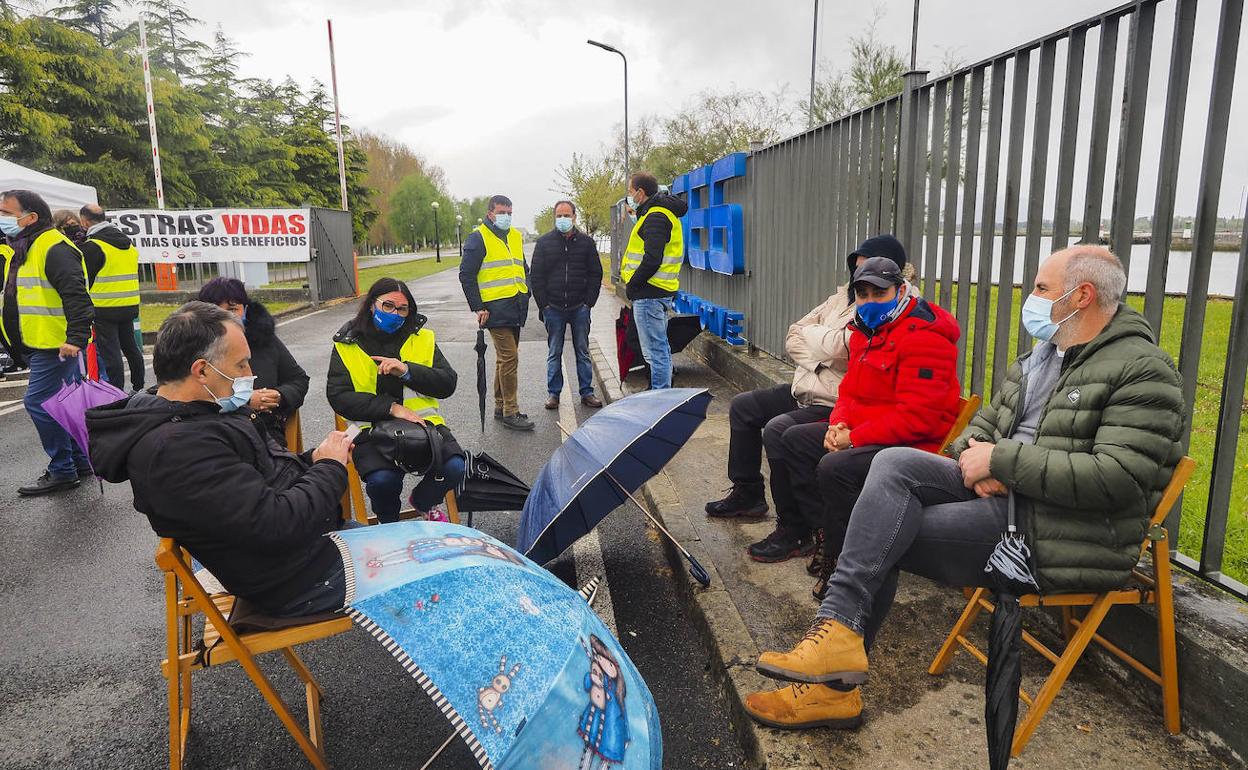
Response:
column 437, row 233
column 413, row 237
column 459, row 233
column 605, row 47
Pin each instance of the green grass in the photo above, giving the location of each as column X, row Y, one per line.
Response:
column 152, row 315
column 1205, row 415
column 406, row 271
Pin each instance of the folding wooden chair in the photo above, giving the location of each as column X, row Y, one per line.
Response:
column 967, row 407
column 1146, row 587
column 294, row 433
column 353, row 505
column 186, row 597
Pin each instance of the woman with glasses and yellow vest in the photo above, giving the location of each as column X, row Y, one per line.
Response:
column 650, row 267
column 386, row 365
column 46, row 321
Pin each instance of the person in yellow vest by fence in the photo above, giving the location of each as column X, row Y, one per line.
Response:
column 113, row 277
column 650, row 267
column 386, row 365
column 45, row 320
column 495, row 279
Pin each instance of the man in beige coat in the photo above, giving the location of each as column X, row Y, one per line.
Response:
column 817, row 344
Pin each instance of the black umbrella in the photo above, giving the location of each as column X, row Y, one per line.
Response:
column 1011, row 570
column 480, row 348
column 488, row 486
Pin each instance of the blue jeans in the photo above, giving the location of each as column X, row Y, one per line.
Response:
column 47, row 374
column 385, row 487
column 914, row 514
column 650, row 315
column 557, row 321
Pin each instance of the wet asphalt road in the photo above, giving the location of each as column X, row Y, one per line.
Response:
column 81, row 609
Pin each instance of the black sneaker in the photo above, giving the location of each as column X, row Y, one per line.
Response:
column 518, row 421
column 815, row 566
column 741, row 501
column 781, row 545
column 47, row 484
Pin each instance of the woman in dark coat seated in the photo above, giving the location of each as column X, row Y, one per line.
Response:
column 281, row 384
column 386, row 365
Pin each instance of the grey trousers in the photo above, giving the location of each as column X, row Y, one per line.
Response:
column 914, row 514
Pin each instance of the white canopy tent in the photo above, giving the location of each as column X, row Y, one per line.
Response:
column 59, row 193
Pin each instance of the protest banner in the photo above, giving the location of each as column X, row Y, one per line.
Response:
column 217, row 235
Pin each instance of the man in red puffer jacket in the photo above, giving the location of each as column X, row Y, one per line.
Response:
column 901, row 389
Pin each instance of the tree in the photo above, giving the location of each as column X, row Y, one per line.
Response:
column 95, row 17
column 170, row 39
column 544, row 222
column 411, row 215
column 389, row 162
column 876, row 72
column 594, row 185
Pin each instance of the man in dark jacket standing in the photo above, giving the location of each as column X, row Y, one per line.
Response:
column 1084, row 434
column 46, row 321
column 495, row 276
column 113, row 279
column 650, row 268
column 204, row 472
column 566, row 278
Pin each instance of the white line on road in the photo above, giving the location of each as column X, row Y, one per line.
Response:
column 587, row 552
column 305, row 315
column 10, row 409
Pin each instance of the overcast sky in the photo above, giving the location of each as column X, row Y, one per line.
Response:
column 501, row 93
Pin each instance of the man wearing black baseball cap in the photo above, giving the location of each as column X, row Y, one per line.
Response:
column 901, row 389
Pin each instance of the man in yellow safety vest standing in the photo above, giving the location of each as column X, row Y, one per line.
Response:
column 650, row 268
column 113, row 277
column 495, row 280
column 46, row 319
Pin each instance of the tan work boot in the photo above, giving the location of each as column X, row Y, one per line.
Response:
column 830, row 652
column 800, row 706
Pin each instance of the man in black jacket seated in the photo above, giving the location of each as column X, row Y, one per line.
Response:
column 206, row 474
column 566, row 278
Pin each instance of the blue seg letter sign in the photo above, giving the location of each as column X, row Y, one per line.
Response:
column 714, row 231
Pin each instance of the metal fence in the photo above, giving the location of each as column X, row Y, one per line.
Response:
column 985, row 170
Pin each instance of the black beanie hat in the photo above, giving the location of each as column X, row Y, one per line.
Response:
column 879, row 246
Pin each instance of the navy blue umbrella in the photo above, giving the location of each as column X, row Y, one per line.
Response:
column 600, row 465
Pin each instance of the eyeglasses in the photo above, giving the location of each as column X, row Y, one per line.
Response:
column 390, row 307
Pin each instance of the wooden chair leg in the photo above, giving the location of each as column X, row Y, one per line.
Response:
column 173, row 679
column 262, row 683
column 1068, row 627
column 1057, row 677
column 1168, row 654
column 312, row 692
column 945, row 656
column 452, row 507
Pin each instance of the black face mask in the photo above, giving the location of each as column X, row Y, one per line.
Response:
column 75, row 233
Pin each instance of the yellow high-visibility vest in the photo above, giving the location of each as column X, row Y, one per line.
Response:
column 117, row 283
column 667, row 277
column 40, row 312
column 417, row 349
column 502, row 270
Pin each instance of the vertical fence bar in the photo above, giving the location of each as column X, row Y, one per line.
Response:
column 908, row 167
column 931, row 214
column 1039, row 170
column 967, row 246
column 1168, row 166
column 1224, row 61
column 832, row 169
column 1098, row 151
column 1069, row 137
column 952, row 170
column 1009, row 221
column 917, row 186
column 870, row 173
column 847, row 206
column 888, row 196
column 1131, row 135
column 988, row 227
column 858, row 182
column 1231, row 413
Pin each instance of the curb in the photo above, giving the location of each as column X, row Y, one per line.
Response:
column 715, row 616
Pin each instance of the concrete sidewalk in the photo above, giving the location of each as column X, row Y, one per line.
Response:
column 913, row 720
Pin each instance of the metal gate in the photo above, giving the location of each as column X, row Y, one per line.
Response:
column 331, row 273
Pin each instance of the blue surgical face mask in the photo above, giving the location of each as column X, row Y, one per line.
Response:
column 873, row 314
column 387, row 322
column 563, row 224
column 9, row 226
column 1038, row 316
column 502, row 221
column 241, row 390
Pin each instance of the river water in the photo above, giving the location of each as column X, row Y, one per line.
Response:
column 1222, row 274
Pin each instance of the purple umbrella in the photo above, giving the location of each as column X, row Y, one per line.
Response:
column 70, row 404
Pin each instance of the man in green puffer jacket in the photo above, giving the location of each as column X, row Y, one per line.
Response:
column 1084, row 434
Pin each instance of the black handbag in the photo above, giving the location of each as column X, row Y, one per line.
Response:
column 415, row 447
